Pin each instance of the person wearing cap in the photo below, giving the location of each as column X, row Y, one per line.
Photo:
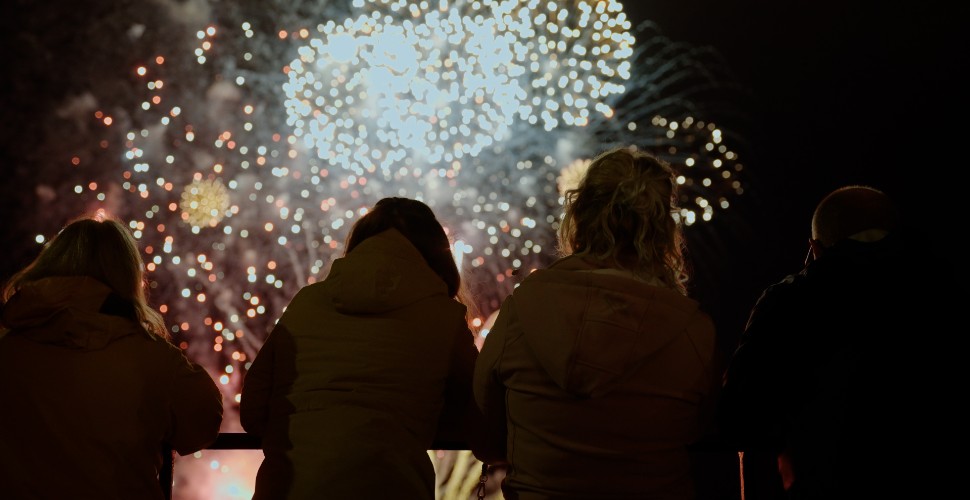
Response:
column 828, row 377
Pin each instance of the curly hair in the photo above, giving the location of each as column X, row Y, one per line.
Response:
column 622, row 215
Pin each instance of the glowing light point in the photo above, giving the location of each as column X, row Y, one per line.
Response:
column 204, row 203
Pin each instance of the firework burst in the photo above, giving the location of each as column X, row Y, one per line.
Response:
column 252, row 155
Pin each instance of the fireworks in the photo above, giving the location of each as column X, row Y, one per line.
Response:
column 403, row 86
column 378, row 95
column 251, row 155
column 474, row 107
column 204, row 203
column 571, row 175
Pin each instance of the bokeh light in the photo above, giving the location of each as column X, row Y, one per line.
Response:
column 251, row 154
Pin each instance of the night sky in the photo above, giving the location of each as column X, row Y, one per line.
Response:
column 853, row 92
column 835, row 93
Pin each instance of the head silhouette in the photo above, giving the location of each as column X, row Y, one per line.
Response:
column 100, row 248
column 622, row 215
column 853, row 212
column 418, row 224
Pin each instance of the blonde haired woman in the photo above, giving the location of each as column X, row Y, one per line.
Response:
column 90, row 385
column 599, row 369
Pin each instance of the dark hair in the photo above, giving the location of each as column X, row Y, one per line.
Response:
column 623, row 215
column 97, row 247
column 418, row 224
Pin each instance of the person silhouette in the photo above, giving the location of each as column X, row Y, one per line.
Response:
column 366, row 368
column 91, row 386
column 599, row 371
column 825, row 360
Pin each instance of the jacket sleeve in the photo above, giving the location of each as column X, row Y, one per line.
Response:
column 196, row 407
column 703, row 335
column 751, row 407
column 258, row 387
column 461, row 422
column 490, row 391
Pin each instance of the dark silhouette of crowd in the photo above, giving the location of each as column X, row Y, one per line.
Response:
column 599, row 379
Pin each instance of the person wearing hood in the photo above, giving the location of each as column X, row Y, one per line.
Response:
column 366, row 369
column 92, row 389
column 599, row 371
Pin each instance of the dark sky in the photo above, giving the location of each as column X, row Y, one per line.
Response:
column 838, row 93
column 843, row 92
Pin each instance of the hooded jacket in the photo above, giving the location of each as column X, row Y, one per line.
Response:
column 596, row 383
column 89, row 397
column 348, row 388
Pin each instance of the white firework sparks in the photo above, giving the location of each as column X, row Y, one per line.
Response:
column 404, row 86
column 473, row 107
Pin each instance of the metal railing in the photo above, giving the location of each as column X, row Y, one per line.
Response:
column 244, row 441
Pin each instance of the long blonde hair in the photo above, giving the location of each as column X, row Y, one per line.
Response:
column 622, row 215
column 99, row 248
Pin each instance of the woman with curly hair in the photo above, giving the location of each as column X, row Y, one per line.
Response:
column 599, row 370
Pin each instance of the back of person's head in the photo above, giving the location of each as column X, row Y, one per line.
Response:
column 853, row 212
column 418, row 224
column 96, row 247
column 622, row 215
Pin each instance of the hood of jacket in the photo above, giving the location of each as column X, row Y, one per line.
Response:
column 74, row 312
column 383, row 273
column 588, row 330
